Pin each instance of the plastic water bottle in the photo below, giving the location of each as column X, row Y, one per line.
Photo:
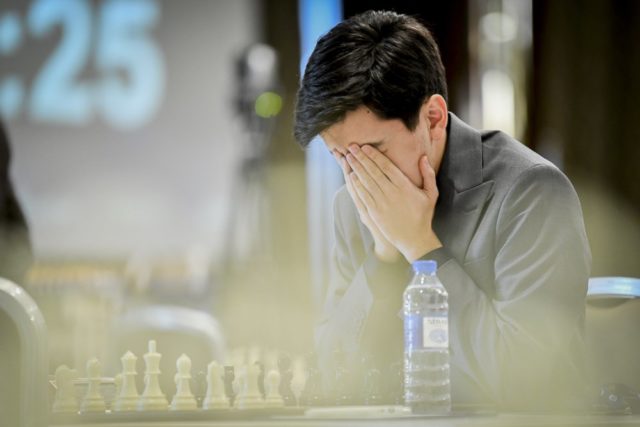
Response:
column 426, row 342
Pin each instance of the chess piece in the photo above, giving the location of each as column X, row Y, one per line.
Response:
column 238, row 383
column 299, row 377
column 152, row 398
column 215, row 397
column 65, row 400
column 396, row 383
column 199, row 387
column 373, row 387
column 343, row 381
column 127, row 399
column 250, row 397
column 93, row 400
column 183, row 399
column 272, row 386
column 117, row 382
column 261, row 378
column 284, row 366
column 229, row 378
column 312, row 394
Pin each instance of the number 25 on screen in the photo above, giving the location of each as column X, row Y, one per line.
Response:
column 129, row 64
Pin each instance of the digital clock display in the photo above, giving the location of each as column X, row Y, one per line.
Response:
column 123, row 120
column 105, row 62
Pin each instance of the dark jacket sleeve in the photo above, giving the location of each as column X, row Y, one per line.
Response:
column 522, row 346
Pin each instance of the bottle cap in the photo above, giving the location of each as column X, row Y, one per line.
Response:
column 422, row 266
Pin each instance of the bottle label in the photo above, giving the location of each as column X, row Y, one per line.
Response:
column 425, row 332
column 435, row 332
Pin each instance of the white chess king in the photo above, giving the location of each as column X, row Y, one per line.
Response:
column 152, row 398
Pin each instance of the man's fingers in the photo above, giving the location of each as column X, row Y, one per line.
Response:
column 342, row 162
column 361, row 191
column 374, row 171
column 391, row 171
column 365, row 178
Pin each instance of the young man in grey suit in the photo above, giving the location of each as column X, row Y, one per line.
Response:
column 504, row 224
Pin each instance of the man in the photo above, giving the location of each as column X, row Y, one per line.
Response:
column 503, row 223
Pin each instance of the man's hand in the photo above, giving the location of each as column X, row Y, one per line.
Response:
column 383, row 249
column 401, row 212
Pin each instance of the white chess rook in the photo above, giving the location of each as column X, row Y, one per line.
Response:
column 93, row 400
column 65, row 400
column 152, row 398
column 127, row 399
column 183, row 399
column 251, row 397
column 215, row 397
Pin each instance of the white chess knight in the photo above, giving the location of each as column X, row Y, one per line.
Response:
column 65, row 400
column 215, row 397
column 250, row 397
column 152, row 398
column 183, row 400
column 273, row 398
column 93, row 400
column 127, row 399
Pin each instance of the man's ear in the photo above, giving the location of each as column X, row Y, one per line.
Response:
column 434, row 112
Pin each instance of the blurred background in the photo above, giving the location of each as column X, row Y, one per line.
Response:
column 153, row 160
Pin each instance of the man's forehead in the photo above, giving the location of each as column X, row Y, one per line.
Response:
column 351, row 130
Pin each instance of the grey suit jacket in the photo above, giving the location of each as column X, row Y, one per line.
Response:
column 515, row 264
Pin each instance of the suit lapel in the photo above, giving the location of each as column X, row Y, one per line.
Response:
column 463, row 194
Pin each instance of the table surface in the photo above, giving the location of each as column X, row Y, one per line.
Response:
column 345, row 418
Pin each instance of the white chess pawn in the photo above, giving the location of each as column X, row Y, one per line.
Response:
column 251, row 397
column 127, row 399
column 65, row 400
column 273, row 398
column 239, row 381
column 93, row 400
column 183, row 399
column 117, row 381
column 299, row 377
column 215, row 397
column 152, row 398
column 238, row 384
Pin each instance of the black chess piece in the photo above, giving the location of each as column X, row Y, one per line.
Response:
column 343, row 381
column 286, row 375
column 200, row 387
column 395, row 383
column 261, row 379
column 312, row 394
column 229, row 376
column 373, row 387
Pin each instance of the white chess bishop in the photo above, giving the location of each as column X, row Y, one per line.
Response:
column 152, row 398
column 93, row 400
column 127, row 399
column 65, row 400
column 215, row 397
column 183, row 400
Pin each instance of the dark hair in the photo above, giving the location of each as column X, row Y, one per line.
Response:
column 386, row 61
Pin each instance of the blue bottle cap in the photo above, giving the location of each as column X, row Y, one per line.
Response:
column 422, row 266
